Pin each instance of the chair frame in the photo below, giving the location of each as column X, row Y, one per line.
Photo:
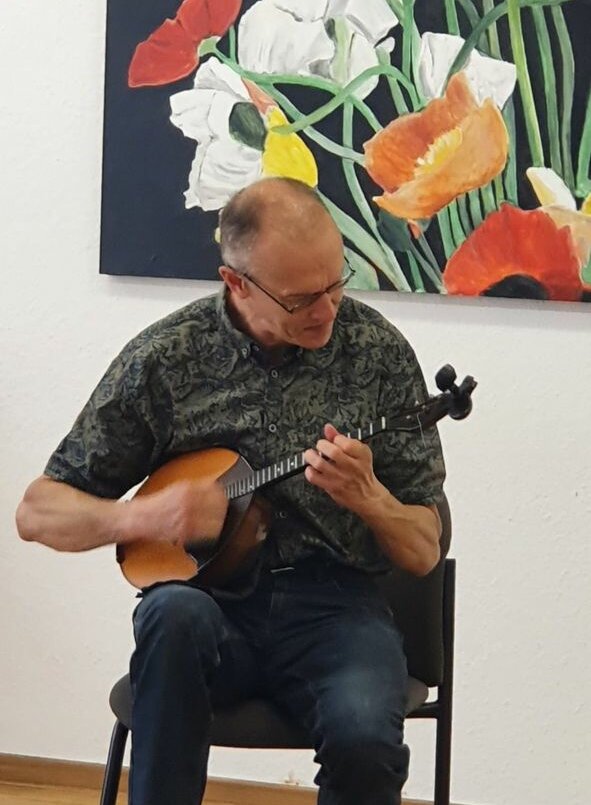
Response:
column 439, row 709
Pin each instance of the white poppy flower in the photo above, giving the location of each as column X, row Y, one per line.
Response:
column 335, row 39
column 273, row 39
column 488, row 78
column 373, row 19
column 223, row 163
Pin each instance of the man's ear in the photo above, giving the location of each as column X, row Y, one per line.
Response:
column 234, row 282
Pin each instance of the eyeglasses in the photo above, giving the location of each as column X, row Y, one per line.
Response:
column 305, row 300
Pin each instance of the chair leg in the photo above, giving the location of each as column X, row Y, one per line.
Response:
column 114, row 764
column 445, row 693
column 443, row 758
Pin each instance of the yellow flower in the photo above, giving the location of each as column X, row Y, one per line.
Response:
column 557, row 201
column 286, row 154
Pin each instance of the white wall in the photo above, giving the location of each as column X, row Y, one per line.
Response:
column 518, row 468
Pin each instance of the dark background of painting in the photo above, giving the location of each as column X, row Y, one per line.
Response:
column 145, row 228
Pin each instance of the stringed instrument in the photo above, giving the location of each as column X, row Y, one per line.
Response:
column 219, row 562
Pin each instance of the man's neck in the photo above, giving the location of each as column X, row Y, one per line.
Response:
column 272, row 353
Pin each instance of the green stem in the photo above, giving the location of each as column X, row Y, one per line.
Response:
column 499, row 191
column 527, row 96
column 456, row 226
column 464, row 217
column 268, row 79
column 568, row 89
column 395, row 273
column 428, row 251
column 473, row 17
column 475, row 208
column 415, row 273
column 342, row 96
column 451, row 13
column 397, row 97
column 232, row 42
column 493, row 35
column 312, row 133
column 408, row 46
column 584, row 164
column 511, row 166
column 486, row 22
column 433, row 273
column 550, row 93
column 488, row 198
column 445, row 231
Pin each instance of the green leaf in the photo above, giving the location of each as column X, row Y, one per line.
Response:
column 246, row 125
column 394, row 231
column 366, row 277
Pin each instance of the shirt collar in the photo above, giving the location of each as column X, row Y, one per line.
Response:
column 245, row 345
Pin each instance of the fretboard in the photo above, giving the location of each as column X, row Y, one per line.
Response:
column 257, row 479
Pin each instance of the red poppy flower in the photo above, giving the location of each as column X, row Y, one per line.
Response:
column 203, row 18
column 171, row 51
column 516, row 253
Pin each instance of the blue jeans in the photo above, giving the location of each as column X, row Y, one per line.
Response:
column 321, row 643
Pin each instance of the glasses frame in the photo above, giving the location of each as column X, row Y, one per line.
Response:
column 311, row 298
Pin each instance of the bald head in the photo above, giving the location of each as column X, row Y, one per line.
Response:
column 287, row 207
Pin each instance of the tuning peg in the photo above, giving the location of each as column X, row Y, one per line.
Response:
column 445, row 377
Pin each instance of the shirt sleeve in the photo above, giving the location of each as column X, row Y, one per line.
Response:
column 411, row 463
column 120, row 433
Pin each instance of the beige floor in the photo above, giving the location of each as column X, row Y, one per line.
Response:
column 44, row 795
column 11, row 794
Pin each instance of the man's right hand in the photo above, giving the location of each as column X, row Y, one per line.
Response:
column 187, row 511
column 62, row 517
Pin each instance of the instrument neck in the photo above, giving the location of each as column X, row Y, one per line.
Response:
column 257, row 479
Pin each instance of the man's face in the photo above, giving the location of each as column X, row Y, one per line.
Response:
column 291, row 272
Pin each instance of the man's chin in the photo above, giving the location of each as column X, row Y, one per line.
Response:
column 315, row 337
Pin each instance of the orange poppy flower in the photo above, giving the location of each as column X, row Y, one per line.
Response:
column 516, row 253
column 426, row 159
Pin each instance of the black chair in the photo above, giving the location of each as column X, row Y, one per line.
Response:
column 424, row 610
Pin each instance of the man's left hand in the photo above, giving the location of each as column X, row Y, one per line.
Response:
column 343, row 468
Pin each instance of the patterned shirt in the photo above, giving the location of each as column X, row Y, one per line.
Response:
column 192, row 380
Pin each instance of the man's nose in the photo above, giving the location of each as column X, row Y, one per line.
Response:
column 324, row 309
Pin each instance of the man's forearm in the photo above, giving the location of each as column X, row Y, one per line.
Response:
column 409, row 535
column 67, row 519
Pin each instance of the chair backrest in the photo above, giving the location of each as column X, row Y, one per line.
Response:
column 417, row 607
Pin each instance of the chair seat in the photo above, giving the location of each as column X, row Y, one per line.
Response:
column 255, row 723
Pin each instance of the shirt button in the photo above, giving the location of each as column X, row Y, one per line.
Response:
column 272, row 428
column 245, row 352
column 283, row 515
column 274, row 373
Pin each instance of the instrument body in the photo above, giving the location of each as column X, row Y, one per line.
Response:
column 145, row 562
column 219, row 562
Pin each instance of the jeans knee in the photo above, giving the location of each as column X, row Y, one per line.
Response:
column 175, row 610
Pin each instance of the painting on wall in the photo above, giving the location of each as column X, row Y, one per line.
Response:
column 449, row 139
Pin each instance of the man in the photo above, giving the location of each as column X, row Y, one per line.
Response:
column 278, row 363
